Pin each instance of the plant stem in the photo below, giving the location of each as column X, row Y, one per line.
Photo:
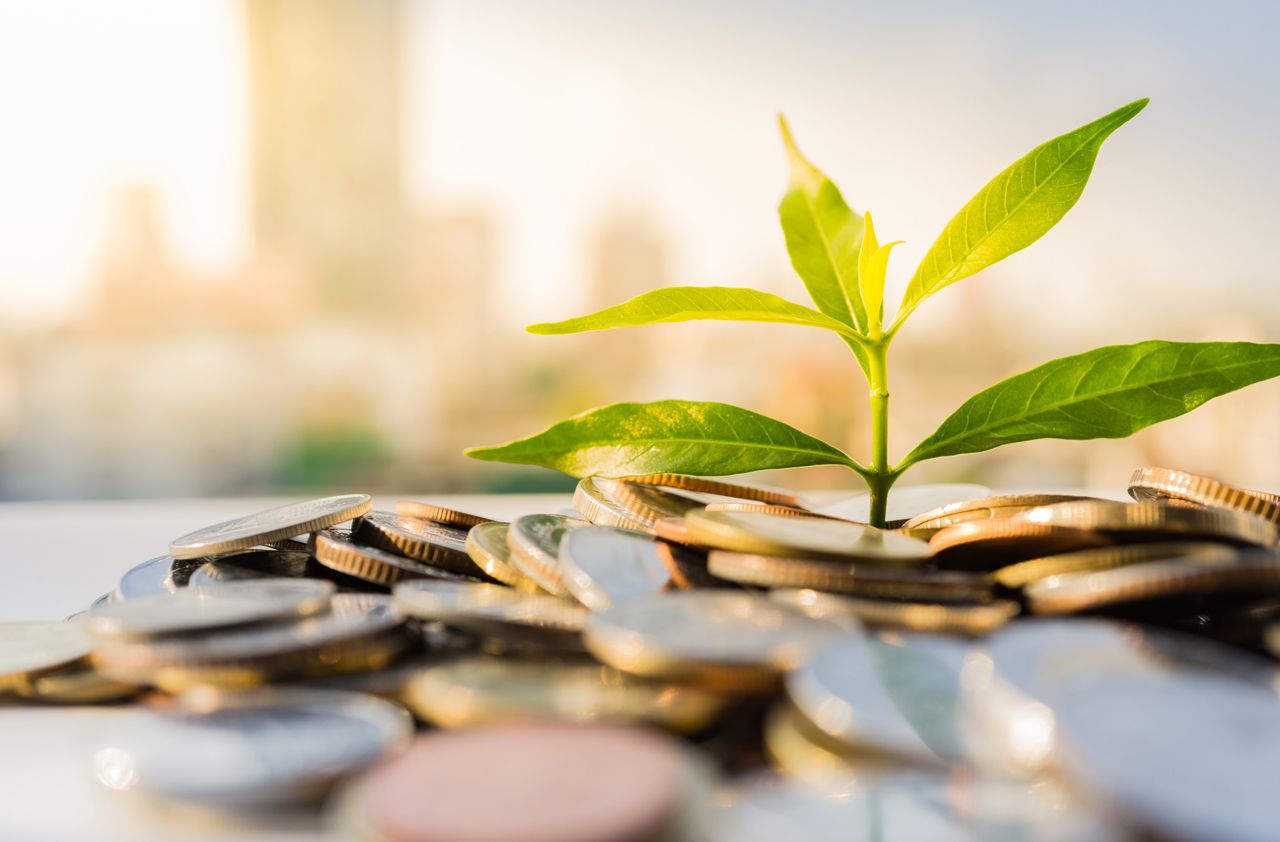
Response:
column 881, row 477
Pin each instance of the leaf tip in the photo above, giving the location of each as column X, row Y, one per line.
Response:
column 540, row 329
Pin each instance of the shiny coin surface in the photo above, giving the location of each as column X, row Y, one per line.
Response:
column 604, row 565
column 905, row 502
column 741, row 639
column 542, row 782
column 985, row 508
column 438, row 514
column 1023, row 573
column 867, row 580
column 762, row 509
column 27, row 649
column 478, row 690
column 251, row 749
column 434, row 544
column 193, row 610
column 370, row 564
column 534, row 542
column 359, row 632
column 252, row 565
column 271, row 525
column 1254, row 570
column 719, row 487
column 492, row 610
column 1156, row 521
column 970, row 619
column 1157, row 484
column 749, row 532
column 611, row 502
column 487, row 546
column 990, row 544
column 162, row 574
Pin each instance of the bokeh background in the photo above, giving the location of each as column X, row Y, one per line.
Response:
column 280, row 245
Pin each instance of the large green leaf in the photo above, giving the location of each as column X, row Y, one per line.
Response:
column 1109, row 392
column 682, row 304
column 822, row 236
column 686, row 437
column 1015, row 209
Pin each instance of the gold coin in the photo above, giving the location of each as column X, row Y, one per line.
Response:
column 487, row 546
column 988, row 544
column 1155, row 521
column 1157, row 484
column 76, row 686
column 1104, row 558
column 860, row 580
column 534, row 544
column 730, row 639
column 985, row 508
column 1073, row 592
column 799, row 750
column 705, row 485
column 434, row 544
column 29, row 649
column 969, row 619
column 261, row 528
column 749, row 532
column 438, row 514
column 370, row 564
column 674, row 529
column 478, row 690
column 611, row 502
column 764, row 509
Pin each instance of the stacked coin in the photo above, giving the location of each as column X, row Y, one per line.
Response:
column 597, row 675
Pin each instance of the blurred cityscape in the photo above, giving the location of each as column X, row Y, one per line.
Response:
column 356, row 345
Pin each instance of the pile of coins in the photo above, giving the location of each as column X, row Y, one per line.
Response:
column 681, row 658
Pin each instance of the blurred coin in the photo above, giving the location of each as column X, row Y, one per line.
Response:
column 543, row 782
column 296, row 545
column 905, row 502
column 252, row 565
column 726, row 638
column 990, row 544
column 439, row 514
column 762, row 509
column 604, row 565
column 28, row 649
column 748, row 532
column 478, row 690
column 611, row 502
column 487, row 546
column 360, row 632
column 674, row 529
column 706, row 485
column 1023, row 573
column 868, row 580
column 985, row 508
column 251, row 749
column 75, row 685
column 256, row 529
column 1253, row 570
column 796, row 748
column 1155, row 521
column 370, row 564
column 534, row 542
column 1159, row 484
column 433, row 544
column 688, row 567
column 193, row 610
column 494, row 611
column 162, row 574
column 971, row 619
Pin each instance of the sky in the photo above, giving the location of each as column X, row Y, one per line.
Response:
column 554, row 113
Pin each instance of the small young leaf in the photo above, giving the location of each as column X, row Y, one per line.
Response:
column 1109, row 392
column 683, row 304
column 873, row 262
column 684, row 437
column 822, row 236
column 1015, row 209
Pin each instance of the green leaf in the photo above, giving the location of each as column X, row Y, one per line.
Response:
column 822, row 236
column 1109, row 392
column 1015, row 209
column 873, row 262
column 682, row 304
column 686, row 437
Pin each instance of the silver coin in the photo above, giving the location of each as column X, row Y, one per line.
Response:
column 603, row 565
column 209, row 609
column 251, row 565
column 163, row 574
column 491, row 610
column 282, row 522
column 27, row 648
column 534, row 541
column 896, row 694
column 252, row 749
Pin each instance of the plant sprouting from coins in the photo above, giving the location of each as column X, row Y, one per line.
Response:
column 1109, row 392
